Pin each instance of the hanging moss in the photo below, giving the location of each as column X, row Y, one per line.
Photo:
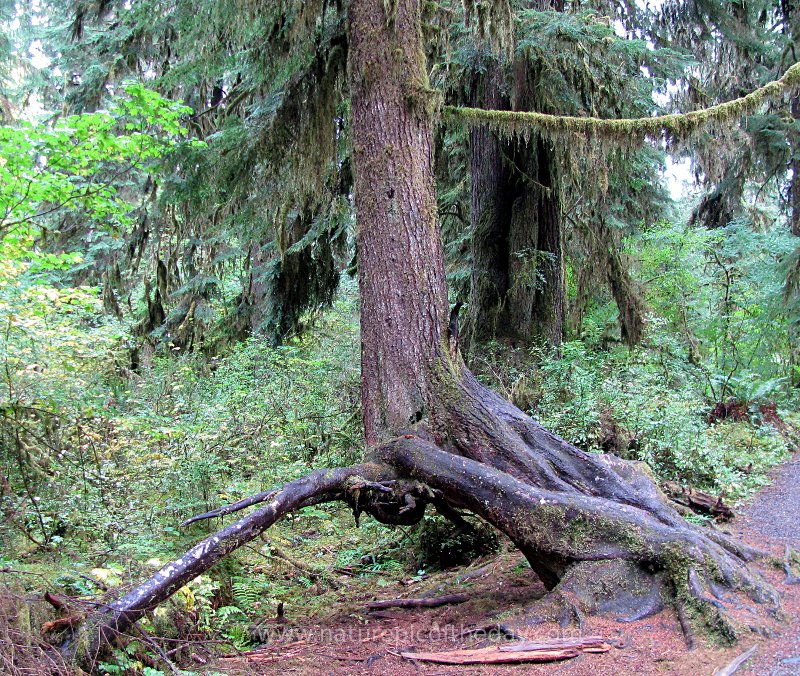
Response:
column 673, row 126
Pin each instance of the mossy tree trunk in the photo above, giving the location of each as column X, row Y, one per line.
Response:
column 548, row 282
column 517, row 291
column 795, row 166
column 586, row 523
column 518, row 285
column 492, row 196
column 791, row 28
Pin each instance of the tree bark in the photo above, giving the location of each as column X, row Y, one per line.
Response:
column 795, row 166
column 492, row 197
column 548, row 306
column 518, row 286
column 404, row 307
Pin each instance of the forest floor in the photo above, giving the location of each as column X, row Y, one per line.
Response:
column 344, row 638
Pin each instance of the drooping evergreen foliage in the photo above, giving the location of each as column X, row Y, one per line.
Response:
column 246, row 232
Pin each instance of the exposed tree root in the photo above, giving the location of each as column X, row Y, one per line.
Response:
column 596, row 529
column 111, row 620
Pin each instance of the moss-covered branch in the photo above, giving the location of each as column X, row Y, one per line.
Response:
column 674, row 126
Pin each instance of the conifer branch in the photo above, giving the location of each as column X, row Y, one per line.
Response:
column 673, row 125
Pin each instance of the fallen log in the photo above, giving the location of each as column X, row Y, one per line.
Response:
column 419, row 603
column 492, row 655
column 697, row 501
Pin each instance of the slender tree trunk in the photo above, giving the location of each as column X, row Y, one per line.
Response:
column 627, row 292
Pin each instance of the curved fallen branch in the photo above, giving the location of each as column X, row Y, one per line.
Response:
column 118, row 616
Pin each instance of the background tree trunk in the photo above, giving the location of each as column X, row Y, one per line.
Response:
column 518, row 285
column 547, row 319
column 795, row 149
column 491, row 198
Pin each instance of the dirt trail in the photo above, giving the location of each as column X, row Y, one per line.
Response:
column 772, row 521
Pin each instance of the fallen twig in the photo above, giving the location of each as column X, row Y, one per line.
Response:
column 734, row 666
column 159, row 650
column 63, row 623
column 346, row 658
column 791, row 578
column 54, row 601
column 263, row 649
column 686, row 627
column 233, row 507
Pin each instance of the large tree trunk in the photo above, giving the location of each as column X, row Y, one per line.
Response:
column 795, row 167
column 402, row 285
column 584, row 522
column 427, row 416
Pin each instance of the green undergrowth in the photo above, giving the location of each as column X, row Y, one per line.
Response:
column 710, row 396
column 630, row 404
column 101, row 464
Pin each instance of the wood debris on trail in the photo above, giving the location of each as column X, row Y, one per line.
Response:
column 549, row 650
